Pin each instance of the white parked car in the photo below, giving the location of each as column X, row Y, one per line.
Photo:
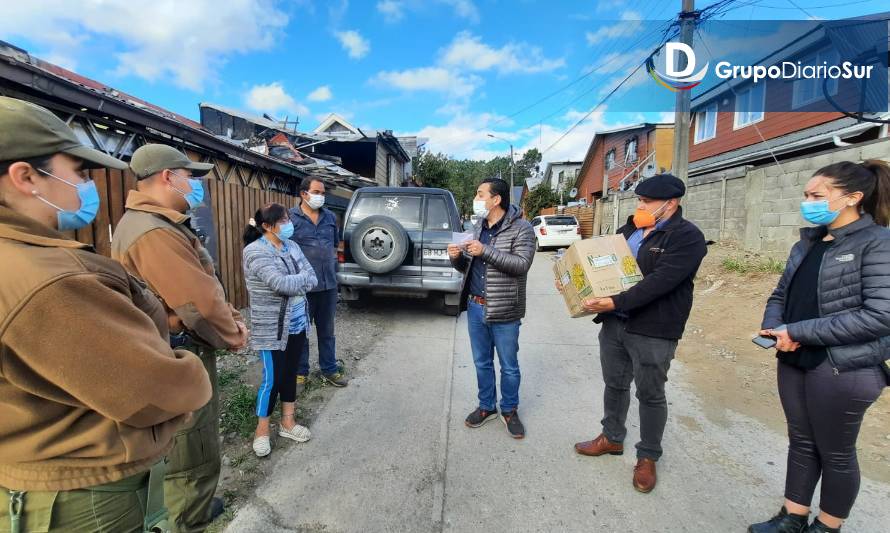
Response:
column 556, row 231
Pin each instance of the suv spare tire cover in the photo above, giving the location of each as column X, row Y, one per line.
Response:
column 379, row 244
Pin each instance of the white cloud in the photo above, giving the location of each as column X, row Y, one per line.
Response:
column 160, row 40
column 353, row 42
column 453, row 73
column 392, row 10
column 272, row 98
column 322, row 94
column 464, row 8
column 468, row 52
column 635, row 80
column 434, row 79
column 629, row 24
column 466, row 136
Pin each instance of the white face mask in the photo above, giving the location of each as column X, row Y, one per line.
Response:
column 479, row 208
column 316, row 201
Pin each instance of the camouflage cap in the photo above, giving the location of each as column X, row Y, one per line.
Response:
column 153, row 158
column 28, row 130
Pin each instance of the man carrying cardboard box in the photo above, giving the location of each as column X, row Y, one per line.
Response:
column 641, row 326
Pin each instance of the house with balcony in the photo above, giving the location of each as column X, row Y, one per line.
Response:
column 618, row 158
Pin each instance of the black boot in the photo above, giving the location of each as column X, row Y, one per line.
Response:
column 819, row 527
column 784, row 522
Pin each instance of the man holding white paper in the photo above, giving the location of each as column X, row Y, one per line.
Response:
column 495, row 260
column 642, row 325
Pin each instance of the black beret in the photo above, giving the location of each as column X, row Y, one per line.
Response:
column 661, row 187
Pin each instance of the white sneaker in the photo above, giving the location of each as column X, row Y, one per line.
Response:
column 297, row 433
column 261, row 446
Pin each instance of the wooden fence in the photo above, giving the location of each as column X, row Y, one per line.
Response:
column 233, row 195
column 589, row 217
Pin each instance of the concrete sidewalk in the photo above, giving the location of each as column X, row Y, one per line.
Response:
column 391, row 452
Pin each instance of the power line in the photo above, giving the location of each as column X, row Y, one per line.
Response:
column 597, row 106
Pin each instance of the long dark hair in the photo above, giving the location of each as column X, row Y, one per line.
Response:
column 270, row 214
column 871, row 178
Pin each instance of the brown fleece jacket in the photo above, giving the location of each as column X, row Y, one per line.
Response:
column 89, row 388
column 155, row 244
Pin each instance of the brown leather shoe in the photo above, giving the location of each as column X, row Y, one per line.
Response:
column 644, row 475
column 599, row 446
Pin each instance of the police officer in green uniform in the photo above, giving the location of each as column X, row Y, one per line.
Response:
column 90, row 390
column 155, row 243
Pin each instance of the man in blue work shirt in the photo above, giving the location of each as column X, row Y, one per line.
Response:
column 642, row 325
column 315, row 231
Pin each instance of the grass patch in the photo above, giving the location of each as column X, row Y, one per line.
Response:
column 227, row 377
column 239, row 411
column 748, row 265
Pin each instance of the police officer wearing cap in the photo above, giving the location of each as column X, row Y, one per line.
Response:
column 155, row 243
column 90, row 390
column 641, row 326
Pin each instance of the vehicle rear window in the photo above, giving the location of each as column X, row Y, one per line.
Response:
column 405, row 209
column 561, row 221
column 437, row 218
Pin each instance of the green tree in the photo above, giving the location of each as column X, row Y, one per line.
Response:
column 539, row 198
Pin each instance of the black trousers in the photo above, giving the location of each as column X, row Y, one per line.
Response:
column 645, row 361
column 824, row 413
column 279, row 375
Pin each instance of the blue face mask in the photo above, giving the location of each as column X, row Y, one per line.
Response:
column 818, row 212
column 285, row 231
column 196, row 196
column 89, row 205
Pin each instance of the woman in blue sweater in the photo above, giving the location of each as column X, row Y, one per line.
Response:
column 278, row 276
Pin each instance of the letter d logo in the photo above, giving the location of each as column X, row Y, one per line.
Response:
column 686, row 50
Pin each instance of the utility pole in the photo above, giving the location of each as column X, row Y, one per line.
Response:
column 512, row 162
column 682, row 115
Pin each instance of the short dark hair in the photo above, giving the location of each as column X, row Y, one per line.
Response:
column 499, row 187
column 40, row 162
column 306, row 184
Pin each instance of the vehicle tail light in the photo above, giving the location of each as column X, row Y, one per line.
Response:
column 543, row 231
column 578, row 230
column 341, row 253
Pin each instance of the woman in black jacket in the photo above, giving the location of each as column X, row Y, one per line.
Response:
column 830, row 316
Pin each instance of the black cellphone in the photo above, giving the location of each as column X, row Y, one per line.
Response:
column 764, row 342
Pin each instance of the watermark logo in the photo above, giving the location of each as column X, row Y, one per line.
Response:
column 673, row 79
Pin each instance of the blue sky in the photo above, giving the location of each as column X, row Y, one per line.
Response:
column 449, row 70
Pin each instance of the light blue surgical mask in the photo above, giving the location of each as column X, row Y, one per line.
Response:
column 89, row 205
column 196, row 196
column 819, row 212
column 285, row 231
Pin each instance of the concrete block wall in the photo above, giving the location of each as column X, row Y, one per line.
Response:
column 761, row 208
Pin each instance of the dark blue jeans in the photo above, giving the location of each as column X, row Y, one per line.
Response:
column 322, row 308
column 485, row 338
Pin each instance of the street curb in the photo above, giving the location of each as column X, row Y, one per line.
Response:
column 441, row 465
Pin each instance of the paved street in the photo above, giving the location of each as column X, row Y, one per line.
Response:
column 391, row 452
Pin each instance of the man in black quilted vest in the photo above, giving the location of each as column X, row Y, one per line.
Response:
column 495, row 264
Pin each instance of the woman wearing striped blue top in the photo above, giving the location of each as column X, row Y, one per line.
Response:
column 277, row 275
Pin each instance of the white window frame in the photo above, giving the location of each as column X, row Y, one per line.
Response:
column 628, row 153
column 797, row 100
column 612, row 164
column 699, row 115
column 736, row 123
